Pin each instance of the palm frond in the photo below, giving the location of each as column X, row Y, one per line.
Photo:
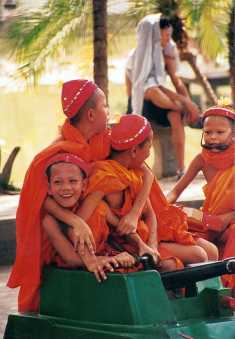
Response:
column 207, row 22
column 41, row 35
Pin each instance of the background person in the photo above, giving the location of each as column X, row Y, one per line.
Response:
column 147, row 66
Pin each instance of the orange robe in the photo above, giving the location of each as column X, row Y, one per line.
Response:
column 26, row 271
column 109, row 176
column 220, row 199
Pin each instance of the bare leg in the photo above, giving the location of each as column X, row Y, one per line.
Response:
column 178, row 136
column 158, row 98
column 186, row 253
column 211, row 249
column 168, row 265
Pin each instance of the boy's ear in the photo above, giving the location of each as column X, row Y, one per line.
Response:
column 133, row 152
column 91, row 114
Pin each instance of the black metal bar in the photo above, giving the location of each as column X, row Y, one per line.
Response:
column 189, row 275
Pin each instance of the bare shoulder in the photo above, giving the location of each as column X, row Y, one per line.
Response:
column 198, row 162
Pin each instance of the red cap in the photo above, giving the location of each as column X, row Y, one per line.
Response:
column 219, row 111
column 71, row 159
column 130, row 131
column 74, row 95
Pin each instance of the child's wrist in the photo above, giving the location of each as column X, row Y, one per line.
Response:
column 76, row 221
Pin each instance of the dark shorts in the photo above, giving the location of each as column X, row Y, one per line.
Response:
column 153, row 113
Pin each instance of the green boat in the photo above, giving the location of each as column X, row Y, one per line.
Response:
column 131, row 306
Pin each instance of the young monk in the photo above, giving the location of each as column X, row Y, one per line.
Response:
column 216, row 220
column 66, row 179
column 84, row 133
column 120, row 179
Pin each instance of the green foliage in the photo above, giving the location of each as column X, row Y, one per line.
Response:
column 39, row 35
column 207, row 22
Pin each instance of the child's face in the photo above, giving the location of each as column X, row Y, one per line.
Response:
column 66, row 184
column 101, row 112
column 143, row 151
column 217, row 130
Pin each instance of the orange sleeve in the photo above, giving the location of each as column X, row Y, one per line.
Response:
column 106, row 178
column 172, row 221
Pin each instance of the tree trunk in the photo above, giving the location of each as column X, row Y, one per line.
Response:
column 180, row 36
column 231, row 44
column 170, row 8
column 100, row 44
column 202, row 80
column 1, row 11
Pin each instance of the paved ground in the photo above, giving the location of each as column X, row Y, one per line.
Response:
column 8, row 298
column 8, row 204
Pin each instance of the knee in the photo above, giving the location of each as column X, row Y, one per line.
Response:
column 212, row 252
column 168, row 265
column 198, row 254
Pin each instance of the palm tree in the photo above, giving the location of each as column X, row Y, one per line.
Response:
column 100, row 44
column 39, row 35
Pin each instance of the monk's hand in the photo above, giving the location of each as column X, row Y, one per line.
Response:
column 127, row 224
column 83, row 237
column 192, row 109
column 151, row 249
column 125, row 260
column 100, row 265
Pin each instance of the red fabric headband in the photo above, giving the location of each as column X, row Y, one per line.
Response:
column 74, row 95
column 219, row 111
column 70, row 159
column 130, row 131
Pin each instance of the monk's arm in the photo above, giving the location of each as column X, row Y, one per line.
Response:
column 128, row 223
column 228, row 218
column 112, row 218
column 89, row 204
column 219, row 222
column 82, row 231
column 96, row 265
column 151, row 220
column 60, row 242
column 194, row 168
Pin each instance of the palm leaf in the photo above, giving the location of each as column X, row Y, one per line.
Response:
column 207, row 22
column 38, row 36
